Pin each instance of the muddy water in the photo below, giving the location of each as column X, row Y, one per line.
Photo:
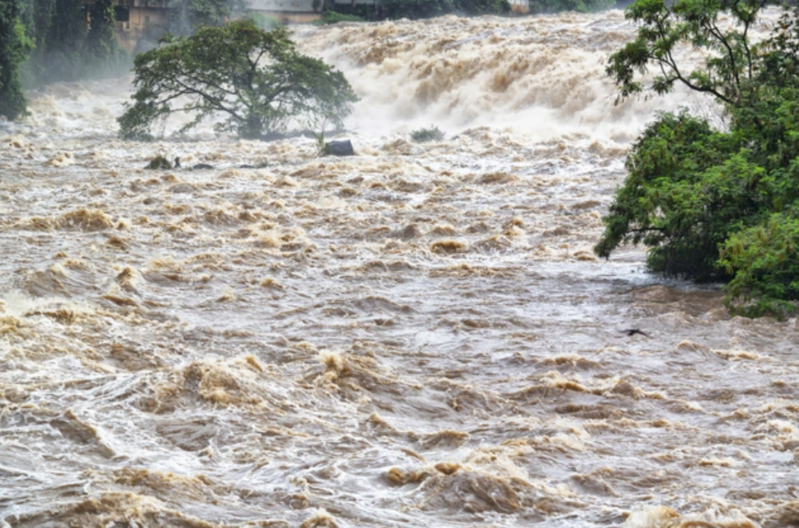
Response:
column 416, row 336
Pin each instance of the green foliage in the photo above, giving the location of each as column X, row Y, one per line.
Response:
column 665, row 26
column 581, row 6
column 62, row 58
column 191, row 15
column 686, row 184
column 101, row 42
column 764, row 260
column 414, row 9
column 332, row 17
column 424, row 135
column 715, row 205
column 265, row 22
column 72, row 40
column 482, row 7
column 257, row 79
column 14, row 47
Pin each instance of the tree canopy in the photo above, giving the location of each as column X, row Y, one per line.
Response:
column 715, row 204
column 665, row 26
column 256, row 79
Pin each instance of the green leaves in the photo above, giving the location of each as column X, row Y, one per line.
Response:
column 764, row 260
column 14, row 48
column 257, row 79
column 414, row 9
column 663, row 27
column 716, row 205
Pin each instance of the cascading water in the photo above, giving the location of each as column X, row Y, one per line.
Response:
column 416, row 336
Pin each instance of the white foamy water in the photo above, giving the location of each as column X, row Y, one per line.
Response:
column 415, row 336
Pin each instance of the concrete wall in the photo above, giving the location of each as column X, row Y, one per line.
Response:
column 140, row 18
column 520, row 6
column 287, row 11
column 287, row 6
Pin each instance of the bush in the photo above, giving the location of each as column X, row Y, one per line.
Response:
column 333, row 17
column 424, row 135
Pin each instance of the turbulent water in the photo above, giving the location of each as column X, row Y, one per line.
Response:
column 416, row 336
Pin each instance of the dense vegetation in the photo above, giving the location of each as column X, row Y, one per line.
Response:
column 45, row 41
column 715, row 204
column 13, row 47
column 256, row 79
column 415, row 9
column 70, row 40
column 582, row 6
column 425, row 135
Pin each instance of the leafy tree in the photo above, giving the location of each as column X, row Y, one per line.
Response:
column 257, row 79
column 710, row 204
column 101, row 39
column 14, row 47
column 62, row 60
column 666, row 26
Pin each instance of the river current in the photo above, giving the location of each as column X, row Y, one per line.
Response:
column 415, row 336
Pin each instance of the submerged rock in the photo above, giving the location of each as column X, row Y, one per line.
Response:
column 339, row 148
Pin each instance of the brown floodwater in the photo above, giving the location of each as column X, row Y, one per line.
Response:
column 415, row 336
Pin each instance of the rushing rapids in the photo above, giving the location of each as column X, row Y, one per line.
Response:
column 415, row 336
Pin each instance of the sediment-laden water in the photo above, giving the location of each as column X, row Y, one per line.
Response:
column 416, row 336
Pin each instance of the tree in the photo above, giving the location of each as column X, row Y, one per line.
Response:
column 101, row 40
column 715, row 204
column 257, row 79
column 666, row 26
column 14, row 48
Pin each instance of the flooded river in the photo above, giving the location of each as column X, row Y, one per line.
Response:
column 417, row 336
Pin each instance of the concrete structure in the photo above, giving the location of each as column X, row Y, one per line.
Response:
column 520, row 6
column 139, row 19
column 142, row 18
column 288, row 11
column 136, row 17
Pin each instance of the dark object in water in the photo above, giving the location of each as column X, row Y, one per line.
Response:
column 159, row 162
column 633, row 331
column 339, row 148
column 202, row 166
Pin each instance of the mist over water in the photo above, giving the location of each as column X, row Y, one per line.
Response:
column 416, row 336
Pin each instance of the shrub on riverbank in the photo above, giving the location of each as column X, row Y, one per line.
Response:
column 710, row 204
column 424, row 135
